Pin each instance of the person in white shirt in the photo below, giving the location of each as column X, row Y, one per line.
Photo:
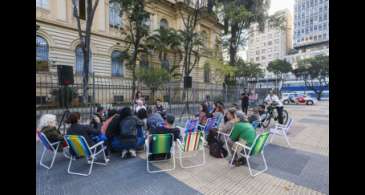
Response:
column 272, row 98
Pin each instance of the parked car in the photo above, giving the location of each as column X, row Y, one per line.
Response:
column 295, row 98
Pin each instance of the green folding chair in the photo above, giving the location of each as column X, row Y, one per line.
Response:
column 160, row 144
column 256, row 148
column 193, row 142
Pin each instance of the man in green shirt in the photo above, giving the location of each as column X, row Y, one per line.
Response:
column 242, row 132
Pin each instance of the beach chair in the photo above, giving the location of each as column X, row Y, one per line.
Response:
column 211, row 123
column 192, row 142
column 257, row 148
column 80, row 149
column 48, row 147
column 160, row 144
column 282, row 130
column 190, row 125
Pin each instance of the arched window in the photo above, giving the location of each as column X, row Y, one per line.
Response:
column 164, row 24
column 147, row 22
column 42, row 49
column 206, row 73
column 117, row 64
column 79, row 68
column 144, row 61
column 115, row 19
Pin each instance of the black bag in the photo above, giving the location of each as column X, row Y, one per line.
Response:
column 216, row 149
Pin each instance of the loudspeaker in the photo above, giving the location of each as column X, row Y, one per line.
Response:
column 65, row 75
column 188, row 80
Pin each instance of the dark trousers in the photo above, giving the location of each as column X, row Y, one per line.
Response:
column 245, row 107
column 280, row 114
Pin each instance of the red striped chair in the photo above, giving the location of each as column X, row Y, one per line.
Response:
column 193, row 142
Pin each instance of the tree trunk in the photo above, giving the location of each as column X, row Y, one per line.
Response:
column 85, row 78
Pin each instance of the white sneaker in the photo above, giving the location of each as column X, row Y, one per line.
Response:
column 124, row 152
column 133, row 153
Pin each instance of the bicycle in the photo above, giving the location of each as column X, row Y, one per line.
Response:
column 271, row 113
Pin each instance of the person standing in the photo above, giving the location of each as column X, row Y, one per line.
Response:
column 244, row 101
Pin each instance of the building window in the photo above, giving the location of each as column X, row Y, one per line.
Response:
column 42, row 4
column 164, row 23
column 41, row 49
column 257, row 59
column 263, row 51
column 269, row 43
column 262, row 57
column 276, row 40
column 147, row 22
column 258, row 52
column 117, row 64
column 206, row 73
column 81, row 7
column 79, row 68
column 115, row 19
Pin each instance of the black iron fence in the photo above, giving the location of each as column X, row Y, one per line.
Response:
column 116, row 92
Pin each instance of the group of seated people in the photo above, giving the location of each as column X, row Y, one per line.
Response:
column 126, row 129
column 232, row 125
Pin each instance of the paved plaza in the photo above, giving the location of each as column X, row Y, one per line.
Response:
column 302, row 168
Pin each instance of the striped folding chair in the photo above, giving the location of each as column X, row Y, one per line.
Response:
column 193, row 142
column 256, row 148
column 160, row 144
column 50, row 147
column 80, row 149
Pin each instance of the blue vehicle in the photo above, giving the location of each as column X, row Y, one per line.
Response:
column 300, row 88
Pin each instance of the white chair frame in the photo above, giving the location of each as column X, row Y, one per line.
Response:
column 281, row 130
column 172, row 158
column 181, row 151
column 93, row 155
column 247, row 151
column 54, row 150
column 225, row 136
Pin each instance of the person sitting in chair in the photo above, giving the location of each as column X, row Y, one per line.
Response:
column 87, row 131
column 168, row 127
column 47, row 125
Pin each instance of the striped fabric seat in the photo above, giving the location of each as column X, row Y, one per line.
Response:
column 211, row 123
column 48, row 146
column 191, row 125
column 78, row 145
column 192, row 141
column 45, row 141
column 160, row 143
column 260, row 143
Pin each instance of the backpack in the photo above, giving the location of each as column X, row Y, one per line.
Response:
column 215, row 146
column 216, row 150
column 128, row 127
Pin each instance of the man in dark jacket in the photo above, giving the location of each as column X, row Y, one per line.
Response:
column 86, row 131
column 244, row 101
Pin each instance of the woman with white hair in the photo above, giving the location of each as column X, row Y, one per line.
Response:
column 47, row 125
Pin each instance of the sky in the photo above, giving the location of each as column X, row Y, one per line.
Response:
column 275, row 6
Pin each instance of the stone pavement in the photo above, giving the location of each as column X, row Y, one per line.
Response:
column 299, row 169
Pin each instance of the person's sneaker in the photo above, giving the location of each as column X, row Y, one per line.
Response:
column 107, row 160
column 133, row 153
column 124, row 153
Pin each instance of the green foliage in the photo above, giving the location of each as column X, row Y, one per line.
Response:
column 279, row 67
column 164, row 41
column 153, row 77
column 248, row 70
column 311, row 69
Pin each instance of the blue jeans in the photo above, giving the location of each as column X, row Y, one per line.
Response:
column 118, row 144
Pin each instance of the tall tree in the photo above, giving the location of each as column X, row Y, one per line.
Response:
column 248, row 71
column 84, row 36
column 279, row 68
column 167, row 41
column 136, row 31
column 154, row 78
column 191, row 12
column 312, row 70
